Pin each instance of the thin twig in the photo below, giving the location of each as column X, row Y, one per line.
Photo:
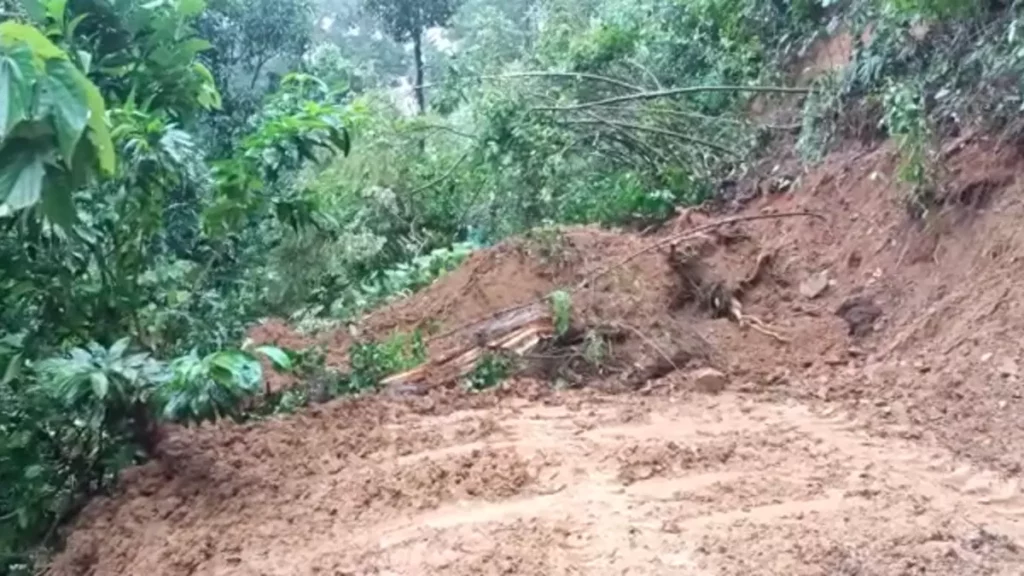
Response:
column 573, row 75
column 662, row 131
column 445, row 128
column 441, row 178
column 671, row 92
column 644, row 69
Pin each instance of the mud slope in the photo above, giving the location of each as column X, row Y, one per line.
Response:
column 879, row 434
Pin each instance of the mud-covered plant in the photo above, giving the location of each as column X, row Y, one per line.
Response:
column 490, row 370
column 372, row 361
column 595, row 348
column 907, row 122
column 561, row 311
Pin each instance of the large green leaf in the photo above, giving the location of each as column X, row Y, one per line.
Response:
column 278, row 357
column 21, row 178
column 13, row 33
column 100, row 385
column 17, row 74
column 99, row 133
column 189, row 8
column 63, row 97
column 193, row 46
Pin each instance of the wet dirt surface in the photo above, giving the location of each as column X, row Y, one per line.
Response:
column 684, row 485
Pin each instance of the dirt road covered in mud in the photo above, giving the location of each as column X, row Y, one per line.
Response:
column 867, row 421
column 584, row 485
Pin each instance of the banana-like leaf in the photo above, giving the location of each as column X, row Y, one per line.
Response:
column 17, row 75
column 277, row 356
column 12, row 33
column 63, row 98
column 21, row 178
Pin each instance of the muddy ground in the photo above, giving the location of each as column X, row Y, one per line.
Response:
column 869, row 424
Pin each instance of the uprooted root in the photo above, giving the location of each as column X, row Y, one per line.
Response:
column 698, row 286
column 578, row 355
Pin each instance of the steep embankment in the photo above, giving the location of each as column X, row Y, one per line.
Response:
column 868, row 428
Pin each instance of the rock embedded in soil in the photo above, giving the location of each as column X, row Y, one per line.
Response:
column 815, row 285
column 709, row 380
column 860, row 314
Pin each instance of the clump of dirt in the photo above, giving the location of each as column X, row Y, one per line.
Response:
column 645, row 461
column 425, row 483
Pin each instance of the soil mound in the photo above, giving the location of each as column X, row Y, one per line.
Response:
column 868, row 422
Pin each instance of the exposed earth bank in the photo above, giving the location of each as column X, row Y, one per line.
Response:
column 866, row 419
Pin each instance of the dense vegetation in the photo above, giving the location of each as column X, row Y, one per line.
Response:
column 171, row 171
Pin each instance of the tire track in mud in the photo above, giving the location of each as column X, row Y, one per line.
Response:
column 728, row 489
column 712, row 486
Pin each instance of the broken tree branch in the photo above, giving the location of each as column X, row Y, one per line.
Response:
column 572, row 75
column 662, row 131
column 671, row 92
column 442, row 177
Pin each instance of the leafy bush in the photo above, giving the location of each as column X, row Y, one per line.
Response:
column 370, row 362
column 492, row 369
column 907, row 123
column 215, row 386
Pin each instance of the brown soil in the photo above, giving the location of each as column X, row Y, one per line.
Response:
column 882, row 437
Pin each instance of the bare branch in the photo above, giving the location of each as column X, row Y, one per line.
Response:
column 671, row 92
column 662, row 131
column 572, row 75
column 443, row 177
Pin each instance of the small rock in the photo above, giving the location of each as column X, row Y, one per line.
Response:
column 815, row 285
column 860, row 314
column 921, row 367
column 986, row 357
column 1008, row 368
column 709, row 380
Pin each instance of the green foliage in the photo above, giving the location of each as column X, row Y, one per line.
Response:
column 98, row 132
column 907, row 123
column 206, row 389
column 927, row 9
column 170, row 172
column 53, row 134
column 371, row 361
column 406, row 19
column 561, row 311
column 492, row 369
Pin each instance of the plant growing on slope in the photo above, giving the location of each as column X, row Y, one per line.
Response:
column 490, row 370
column 906, row 121
column 372, row 361
column 112, row 389
column 561, row 311
column 215, row 386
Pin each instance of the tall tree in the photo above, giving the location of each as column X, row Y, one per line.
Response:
column 407, row 20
